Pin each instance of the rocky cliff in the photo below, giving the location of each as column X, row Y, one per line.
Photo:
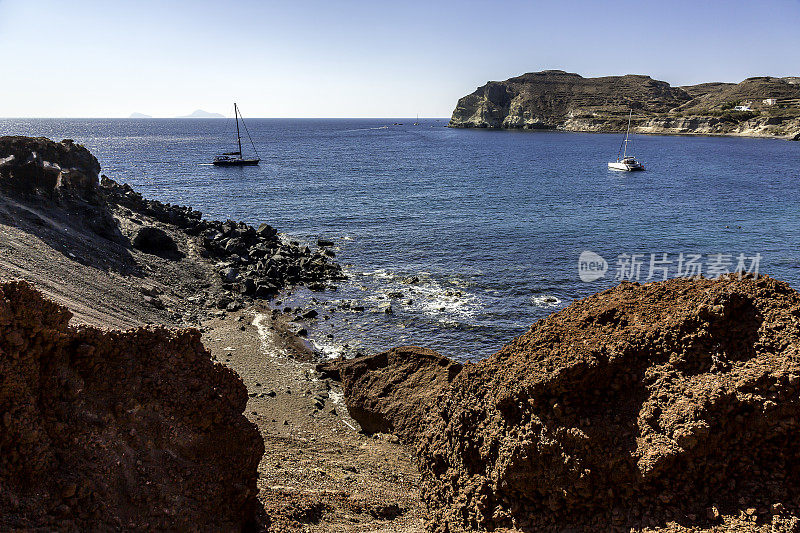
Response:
column 554, row 99
column 671, row 406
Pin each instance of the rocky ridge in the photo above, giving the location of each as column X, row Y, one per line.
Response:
column 554, row 99
column 671, row 406
column 252, row 262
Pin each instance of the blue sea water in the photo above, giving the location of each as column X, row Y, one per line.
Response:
column 491, row 222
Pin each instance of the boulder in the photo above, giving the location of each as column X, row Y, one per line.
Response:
column 229, row 275
column 265, row 231
column 265, row 290
column 391, row 392
column 248, row 286
column 155, row 241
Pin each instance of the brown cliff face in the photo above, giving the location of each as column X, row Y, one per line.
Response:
column 661, row 406
column 117, row 430
column 554, row 99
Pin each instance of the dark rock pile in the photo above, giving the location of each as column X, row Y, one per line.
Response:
column 663, row 406
column 103, row 431
column 250, row 261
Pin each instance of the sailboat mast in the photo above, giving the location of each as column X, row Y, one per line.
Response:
column 627, row 133
column 238, row 137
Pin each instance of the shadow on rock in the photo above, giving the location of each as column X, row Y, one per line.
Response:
column 51, row 190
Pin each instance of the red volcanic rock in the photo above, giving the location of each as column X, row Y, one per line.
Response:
column 390, row 392
column 631, row 408
column 645, row 407
column 117, row 430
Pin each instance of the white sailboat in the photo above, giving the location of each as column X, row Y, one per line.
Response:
column 626, row 162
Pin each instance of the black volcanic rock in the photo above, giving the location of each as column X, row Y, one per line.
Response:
column 155, row 241
column 31, row 165
column 62, row 175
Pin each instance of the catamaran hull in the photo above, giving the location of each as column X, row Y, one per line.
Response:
column 237, row 163
column 624, row 167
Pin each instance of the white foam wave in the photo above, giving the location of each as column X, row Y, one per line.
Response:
column 545, row 300
column 267, row 336
column 329, row 350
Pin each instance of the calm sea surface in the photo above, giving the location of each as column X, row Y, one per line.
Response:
column 490, row 223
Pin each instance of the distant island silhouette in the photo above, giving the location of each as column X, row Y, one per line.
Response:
column 199, row 113
column 139, row 115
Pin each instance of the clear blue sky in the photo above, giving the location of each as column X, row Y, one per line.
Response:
column 361, row 59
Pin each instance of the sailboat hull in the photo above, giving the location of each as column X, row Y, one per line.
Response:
column 236, row 162
column 625, row 167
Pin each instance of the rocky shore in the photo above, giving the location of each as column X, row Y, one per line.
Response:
column 558, row 100
column 145, row 428
column 251, row 262
column 53, row 191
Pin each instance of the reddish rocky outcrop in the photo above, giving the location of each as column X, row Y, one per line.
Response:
column 667, row 405
column 390, row 392
column 117, row 430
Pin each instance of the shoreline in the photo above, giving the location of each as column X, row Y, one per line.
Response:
column 319, row 472
column 607, row 132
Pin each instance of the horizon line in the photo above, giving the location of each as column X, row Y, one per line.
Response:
column 224, row 118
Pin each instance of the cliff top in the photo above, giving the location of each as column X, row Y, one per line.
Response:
column 556, row 99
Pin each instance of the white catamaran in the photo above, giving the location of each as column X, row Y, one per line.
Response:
column 235, row 159
column 626, row 162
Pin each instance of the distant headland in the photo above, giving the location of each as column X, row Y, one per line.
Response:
column 198, row 113
column 558, row 100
